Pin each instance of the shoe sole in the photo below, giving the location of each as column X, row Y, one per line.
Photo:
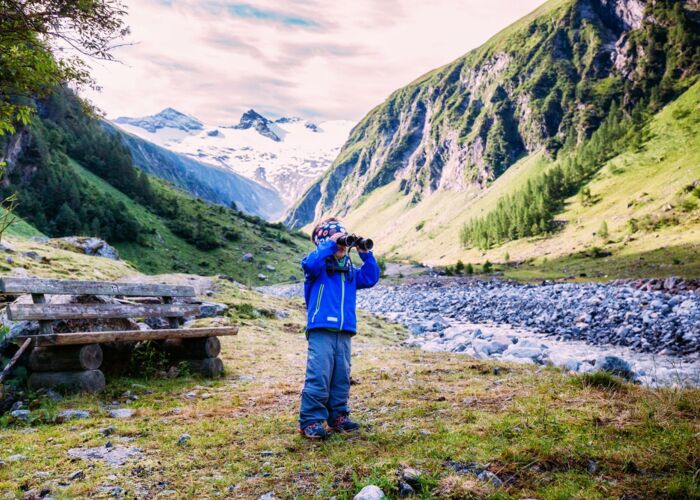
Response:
column 313, row 438
column 343, row 431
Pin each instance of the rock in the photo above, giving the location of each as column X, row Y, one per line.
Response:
column 122, row 413
column 17, row 458
column 22, row 415
column 488, row 476
column 73, row 415
column 112, row 491
column 95, row 247
column 74, row 476
column 106, row 431
column 614, row 365
column 247, row 257
column 270, row 267
column 211, row 309
column 267, row 496
column 592, row 466
column 184, row 440
column 405, row 489
column 33, row 255
column 262, row 277
column 412, row 477
column 370, row 492
column 113, row 455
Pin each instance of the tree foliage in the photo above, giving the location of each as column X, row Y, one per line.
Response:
column 35, row 35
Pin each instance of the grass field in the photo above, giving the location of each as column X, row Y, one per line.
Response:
column 548, row 435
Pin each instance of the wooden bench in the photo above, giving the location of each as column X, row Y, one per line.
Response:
column 73, row 359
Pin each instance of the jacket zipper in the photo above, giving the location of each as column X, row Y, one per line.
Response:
column 318, row 302
column 342, row 300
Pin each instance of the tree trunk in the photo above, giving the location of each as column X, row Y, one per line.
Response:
column 85, row 381
column 68, row 358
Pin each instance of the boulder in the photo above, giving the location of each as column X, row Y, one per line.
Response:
column 370, row 492
column 615, row 365
column 247, row 257
column 211, row 309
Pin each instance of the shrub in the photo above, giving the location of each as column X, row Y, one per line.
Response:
column 603, row 230
column 600, row 380
column 469, row 269
column 488, row 267
column 459, row 267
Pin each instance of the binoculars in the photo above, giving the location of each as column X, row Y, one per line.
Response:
column 351, row 240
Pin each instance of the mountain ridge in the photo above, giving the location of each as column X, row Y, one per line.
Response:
column 545, row 80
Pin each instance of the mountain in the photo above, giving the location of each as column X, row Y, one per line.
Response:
column 531, row 97
column 169, row 118
column 211, row 183
column 73, row 176
column 286, row 154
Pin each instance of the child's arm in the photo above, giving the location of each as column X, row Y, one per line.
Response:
column 314, row 262
column 368, row 275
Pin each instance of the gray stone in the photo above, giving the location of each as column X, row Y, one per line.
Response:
column 488, row 476
column 74, row 476
column 16, row 458
column 122, row 413
column 113, row 455
column 212, row 309
column 22, row 415
column 267, row 496
column 184, row 440
column 73, row 414
column 247, row 257
column 370, row 492
column 270, row 267
column 262, row 277
column 614, row 365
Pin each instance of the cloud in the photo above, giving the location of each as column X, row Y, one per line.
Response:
column 215, row 59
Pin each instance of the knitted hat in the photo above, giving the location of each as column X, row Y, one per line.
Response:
column 325, row 231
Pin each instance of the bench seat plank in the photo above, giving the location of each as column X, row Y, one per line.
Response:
column 127, row 335
column 17, row 286
column 19, row 312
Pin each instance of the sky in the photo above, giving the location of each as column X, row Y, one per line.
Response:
column 317, row 59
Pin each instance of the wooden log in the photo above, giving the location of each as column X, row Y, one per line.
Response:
column 84, row 381
column 197, row 348
column 19, row 312
column 17, row 286
column 128, row 335
column 209, row 367
column 65, row 358
column 10, row 364
column 46, row 327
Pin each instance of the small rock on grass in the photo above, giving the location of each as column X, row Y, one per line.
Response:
column 412, row 477
column 122, row 413
column 268, row 496
column 370, row 492
column 22, row 415
column 184, row 439
column 73, row 414
column 405, row 489
column 74, row 476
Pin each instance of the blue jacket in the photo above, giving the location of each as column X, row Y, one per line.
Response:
column 330, row 295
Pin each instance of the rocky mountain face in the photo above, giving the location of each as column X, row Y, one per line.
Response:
column 284, row 155
column 544, row 82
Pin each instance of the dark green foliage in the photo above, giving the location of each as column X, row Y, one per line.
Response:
column 531, row 210
column 488, row 267
column 459, row 267
column 469, row 269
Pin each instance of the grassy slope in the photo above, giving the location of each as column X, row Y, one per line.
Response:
column 164, row 247
column 669, row 161
column 21, row 228
column 420, row 410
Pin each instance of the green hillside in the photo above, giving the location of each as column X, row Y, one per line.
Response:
column 647, row 195
column 72, row 177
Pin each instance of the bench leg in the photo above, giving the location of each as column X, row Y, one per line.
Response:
column 82, row 381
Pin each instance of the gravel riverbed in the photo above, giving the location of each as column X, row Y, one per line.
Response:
column 653, row 336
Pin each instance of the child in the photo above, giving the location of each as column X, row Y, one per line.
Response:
column 330, row 282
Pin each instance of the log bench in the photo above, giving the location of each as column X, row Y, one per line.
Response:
column 73, row 360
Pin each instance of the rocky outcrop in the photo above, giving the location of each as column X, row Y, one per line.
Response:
column 89, row 246
column 264, row 127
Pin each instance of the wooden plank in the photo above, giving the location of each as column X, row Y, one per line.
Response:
column 128, row 335
column 46, row 327
column 18, row 312
column 172, row 322
column 16, row 286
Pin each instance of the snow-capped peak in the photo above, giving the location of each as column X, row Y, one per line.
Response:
column 286, row 154
column 167, row 118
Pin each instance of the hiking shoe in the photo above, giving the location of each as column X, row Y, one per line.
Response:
column 314, row 431
column 343, row 424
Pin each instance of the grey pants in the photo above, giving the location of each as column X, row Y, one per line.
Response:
column 327, row 385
